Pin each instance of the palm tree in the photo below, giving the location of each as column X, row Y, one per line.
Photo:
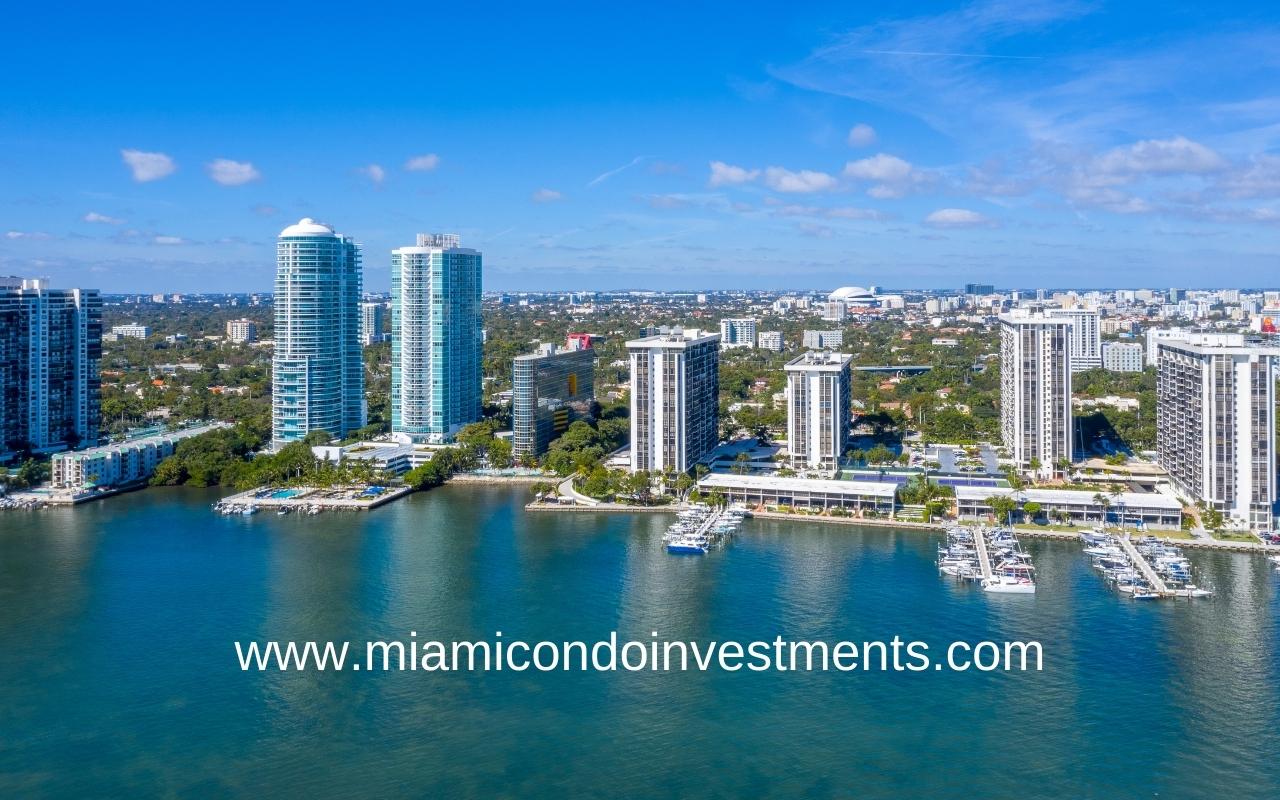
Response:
column 1104, row 502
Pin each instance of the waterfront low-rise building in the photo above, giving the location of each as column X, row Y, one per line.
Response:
column 120, row 464
column 1081, row 507
column 394, row 457
column 766, row 490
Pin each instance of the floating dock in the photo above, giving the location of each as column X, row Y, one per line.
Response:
column 1153, row 580
column 984, row 558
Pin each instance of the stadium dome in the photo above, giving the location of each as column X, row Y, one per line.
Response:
column 851, row 293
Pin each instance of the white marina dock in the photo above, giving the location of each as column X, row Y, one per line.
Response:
column 1138, row 560
column 984, row 558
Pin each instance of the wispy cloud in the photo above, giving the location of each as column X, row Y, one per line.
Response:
column 545, row 195
column 957, row 218
column 374, row 172
column 94, row 216
column 422, row 163
column 148, row 167
column 36, row 235
column 604, row 176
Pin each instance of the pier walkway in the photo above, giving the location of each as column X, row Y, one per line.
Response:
column 1140, row 561
column 711, row 520
column 984, row 559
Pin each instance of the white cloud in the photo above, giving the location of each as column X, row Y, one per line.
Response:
column 169, row 240
column 232, row 173
column 423, row 163
column 723, row 174
column 892, row 176
column 956, row 218
column 148, row 166
column 94, row 216
column 40, row 235
column 1176, row 156
column 862, row 135
column 374, row 172
column 545, row 195
column 881, row 168
column 784, row 180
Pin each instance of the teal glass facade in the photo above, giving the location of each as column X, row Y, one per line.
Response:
column 317, row 371
column 436, row 338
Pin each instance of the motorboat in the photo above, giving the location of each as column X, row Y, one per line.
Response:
column 1009, row 584
column 686, row 545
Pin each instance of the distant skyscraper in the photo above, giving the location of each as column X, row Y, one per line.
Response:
column 834, row 311
column 242, row 331
column 437, row 343
column 1035, row 390
column 131, row 330
column 979, row 288
column 819, row 387
column 737, row 333
column 770, row 340
column 547, row 389
column 1122, row 356
column 50, row 346
column 372, row 321
column 1086, row 336
column 823, row 340
column 1216, row 423
column 675, row 395
column 318, row 371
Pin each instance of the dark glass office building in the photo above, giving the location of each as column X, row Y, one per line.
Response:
column 549, row 389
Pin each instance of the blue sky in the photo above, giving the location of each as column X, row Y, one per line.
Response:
column 655, row 146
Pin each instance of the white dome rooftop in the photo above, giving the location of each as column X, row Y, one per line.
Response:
column 308, row 227
column 847, row 292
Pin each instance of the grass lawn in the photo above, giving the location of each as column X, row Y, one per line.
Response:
column 1235, row 537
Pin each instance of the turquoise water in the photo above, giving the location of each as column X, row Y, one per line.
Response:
column 118, row 676
column 285, row 494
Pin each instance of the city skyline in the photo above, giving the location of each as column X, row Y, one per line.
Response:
column 1051, row 143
